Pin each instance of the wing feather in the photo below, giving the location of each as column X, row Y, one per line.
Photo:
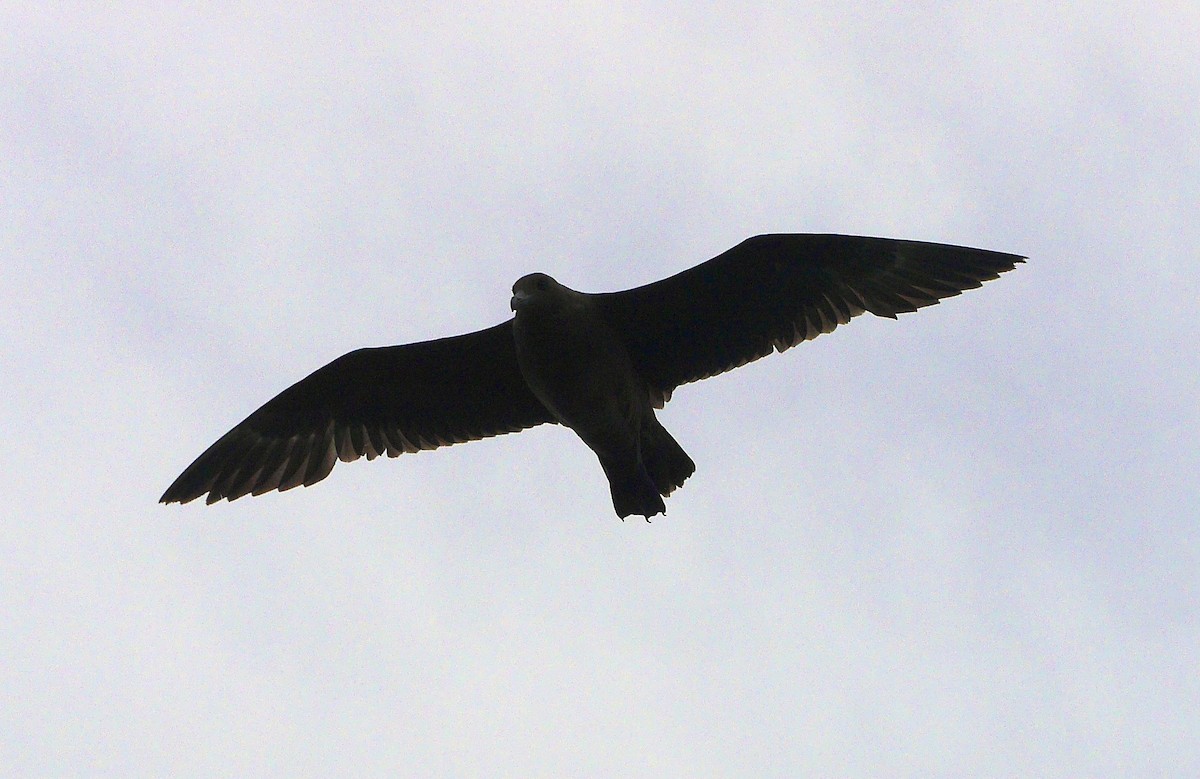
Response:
column 369, row 402
column 771, row 292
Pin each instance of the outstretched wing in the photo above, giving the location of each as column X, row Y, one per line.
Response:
column 369, row 402
column 771, row 292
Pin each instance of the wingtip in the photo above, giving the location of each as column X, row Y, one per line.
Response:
column 173, row 496
column 170, row 496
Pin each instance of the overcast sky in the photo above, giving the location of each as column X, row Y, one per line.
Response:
column 964, row 543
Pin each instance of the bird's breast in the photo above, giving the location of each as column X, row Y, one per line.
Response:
column 580, row 370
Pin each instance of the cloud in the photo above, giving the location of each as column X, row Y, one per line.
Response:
column 957, row 543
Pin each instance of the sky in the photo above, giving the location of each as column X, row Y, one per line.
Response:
column 960, row 543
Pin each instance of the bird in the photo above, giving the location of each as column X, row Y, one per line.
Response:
column 599, row 363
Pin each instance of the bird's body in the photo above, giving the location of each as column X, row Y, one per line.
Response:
column 579, row 368
column 598, row 363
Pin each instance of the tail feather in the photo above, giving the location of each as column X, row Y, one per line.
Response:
column 640, row 476
column 666, row 462
column 632, row 490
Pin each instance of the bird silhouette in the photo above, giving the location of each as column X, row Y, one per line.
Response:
column 598, row 363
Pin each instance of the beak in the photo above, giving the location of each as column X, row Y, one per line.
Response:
column 518, row 300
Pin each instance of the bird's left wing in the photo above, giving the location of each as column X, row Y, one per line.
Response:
column 385, row 400
column 772, row 292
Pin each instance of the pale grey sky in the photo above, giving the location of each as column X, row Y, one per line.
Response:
column 960, row 544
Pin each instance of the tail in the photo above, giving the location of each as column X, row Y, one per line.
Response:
column 666, row 462
column 632, row 490
column 639, row 481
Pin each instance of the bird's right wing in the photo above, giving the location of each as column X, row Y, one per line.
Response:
column 385, row 400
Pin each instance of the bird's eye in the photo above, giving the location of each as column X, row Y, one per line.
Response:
column 541, row 285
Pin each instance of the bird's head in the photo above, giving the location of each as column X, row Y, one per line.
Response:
column 537, row 290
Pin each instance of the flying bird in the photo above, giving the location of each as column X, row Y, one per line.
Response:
column 598, row 363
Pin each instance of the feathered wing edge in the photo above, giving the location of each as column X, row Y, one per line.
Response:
column 772, row 292
column 369, row 402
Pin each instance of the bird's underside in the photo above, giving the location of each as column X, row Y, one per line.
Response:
column 598, row 363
